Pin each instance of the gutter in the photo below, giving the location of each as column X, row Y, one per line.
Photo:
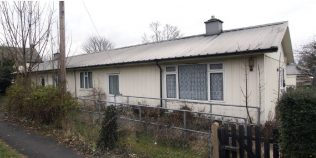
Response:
column 160, row 75
column 224, row 54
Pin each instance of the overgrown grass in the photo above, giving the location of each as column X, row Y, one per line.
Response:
column 143, row 145
column 3, row 100
column 6, row 151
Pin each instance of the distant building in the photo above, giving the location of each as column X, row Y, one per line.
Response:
column 16, row 54
column 297, row 76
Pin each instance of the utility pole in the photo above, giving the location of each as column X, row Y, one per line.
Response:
column 62, row 47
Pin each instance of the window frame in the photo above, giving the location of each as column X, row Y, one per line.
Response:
column 207, row 82
column 86, row 76
column 165, row 78
column 118, row 81
column 209, row 71
column 177, row 82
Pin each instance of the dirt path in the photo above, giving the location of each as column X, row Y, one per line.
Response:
column 32, row 145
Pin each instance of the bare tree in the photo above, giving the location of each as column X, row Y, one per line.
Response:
column 245, row 92
column 25, row 28
column 160, row 33
column 307, row 58
column 97, row 44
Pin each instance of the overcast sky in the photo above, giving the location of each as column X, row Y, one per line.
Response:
column 124, row 21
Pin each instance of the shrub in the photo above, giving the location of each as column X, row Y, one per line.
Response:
column 6, row 69
column 41, row 104
column 296, row 113
column 108, row 135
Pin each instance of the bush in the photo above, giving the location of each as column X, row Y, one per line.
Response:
column 41, row 104
column 296, row 113
column 108, row 135
column 6, row 69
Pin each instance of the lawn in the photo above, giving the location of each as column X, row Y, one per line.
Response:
column 144, row 146
column 6, row 151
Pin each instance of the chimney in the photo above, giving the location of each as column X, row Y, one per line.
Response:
column 56, row 56
column 213, row 26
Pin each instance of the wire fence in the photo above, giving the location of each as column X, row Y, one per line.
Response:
column 151, row 129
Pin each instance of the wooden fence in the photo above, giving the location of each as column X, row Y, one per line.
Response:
column 247, row 141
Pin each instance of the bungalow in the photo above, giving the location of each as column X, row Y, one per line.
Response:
column 239, row 66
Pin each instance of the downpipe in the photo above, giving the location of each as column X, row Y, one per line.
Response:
column 160, row 76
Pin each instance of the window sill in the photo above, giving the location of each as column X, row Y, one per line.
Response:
column 196, row 101
column 85, row 89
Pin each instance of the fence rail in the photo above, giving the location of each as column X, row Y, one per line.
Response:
column 187, row 124
column 114, row 99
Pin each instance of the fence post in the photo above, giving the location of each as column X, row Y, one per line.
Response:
column 249, row 142
column 258, row 142
column 266, row 148
column 115, row 100
column 166, row 103
column 127, row 100
column 209, row 142
column 241, row 141
column 99, row 110
column 140, row 113
column 185, row 124
column 234, row 140
column 211, row 110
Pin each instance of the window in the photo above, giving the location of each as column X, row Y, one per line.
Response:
column 43, row 81
column 171, row 85
column 114, row 84
column 216, row 82
column 193, row 81
column 171, row 81
column 86, row 80
column 170, row 69
column 216, row 66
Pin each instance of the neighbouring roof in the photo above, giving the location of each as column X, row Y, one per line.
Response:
column 244, row 40
column 13, row 52
column 292, row 69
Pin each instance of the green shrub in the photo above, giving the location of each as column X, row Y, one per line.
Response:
column 6, row 69
column 41, row 104
column 296, row 113
column 108, row 135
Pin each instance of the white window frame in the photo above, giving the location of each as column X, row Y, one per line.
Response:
column 177, row 83
column 209, row 80
column 85, row 74
column 114, row 74
column 209, row 71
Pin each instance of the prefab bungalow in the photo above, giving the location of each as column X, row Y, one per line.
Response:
column 239, row 66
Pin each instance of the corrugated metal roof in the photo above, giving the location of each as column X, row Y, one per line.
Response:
column 230, row 41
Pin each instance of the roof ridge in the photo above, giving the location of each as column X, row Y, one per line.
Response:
column 256, row 26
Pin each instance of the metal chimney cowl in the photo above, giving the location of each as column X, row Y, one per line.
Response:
column 213, row 26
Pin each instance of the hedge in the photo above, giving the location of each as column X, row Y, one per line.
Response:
column 296, row 114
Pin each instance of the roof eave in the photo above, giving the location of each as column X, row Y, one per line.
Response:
column 225, row 54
